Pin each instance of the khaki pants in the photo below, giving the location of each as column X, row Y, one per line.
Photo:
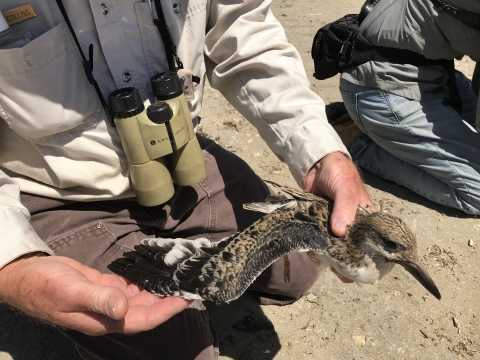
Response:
column 96, row 233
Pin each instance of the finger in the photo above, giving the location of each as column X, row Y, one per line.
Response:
column 142, row 318
column 313, row 257
column 344, row 209
column 100, row 299
column 348, row 194
column 340, row 276
column 96, row 276
column 104, row 294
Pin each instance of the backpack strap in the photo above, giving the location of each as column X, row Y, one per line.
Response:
column 403, row 56
column 469, row 18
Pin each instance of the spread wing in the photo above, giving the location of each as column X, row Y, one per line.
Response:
column 153, row 262
column 223, row 271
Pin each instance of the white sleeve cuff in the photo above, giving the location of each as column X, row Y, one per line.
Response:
column 18, row 237
column 310, row 143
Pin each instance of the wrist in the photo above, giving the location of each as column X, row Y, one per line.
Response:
column 26, row 257
column 316, row 168
column 11, row 268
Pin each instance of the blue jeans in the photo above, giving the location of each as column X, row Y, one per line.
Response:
column 425, row 146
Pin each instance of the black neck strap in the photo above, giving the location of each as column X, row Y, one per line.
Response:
column 174, row 62
column 467, row 17
column 87, row 64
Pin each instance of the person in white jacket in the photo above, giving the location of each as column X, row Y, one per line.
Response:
column 67, row 208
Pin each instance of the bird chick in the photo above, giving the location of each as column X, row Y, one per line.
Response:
column 372, row 246
column 294, row 221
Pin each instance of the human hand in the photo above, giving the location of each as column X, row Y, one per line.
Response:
column 318, row 262
column 69, row 294
column 340, row 276
column 336, row 177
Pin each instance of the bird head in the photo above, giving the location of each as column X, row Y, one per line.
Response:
column 378, row 241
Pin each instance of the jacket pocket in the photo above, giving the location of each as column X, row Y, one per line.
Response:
column 44, row 91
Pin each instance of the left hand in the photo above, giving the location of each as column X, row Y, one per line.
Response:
column 71, row 295
column 336, row 177
column 317, row 261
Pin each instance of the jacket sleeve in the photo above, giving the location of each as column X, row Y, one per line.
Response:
column 17, row 236
column 249, row 60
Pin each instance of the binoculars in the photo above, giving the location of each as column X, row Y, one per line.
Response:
column 159, row 142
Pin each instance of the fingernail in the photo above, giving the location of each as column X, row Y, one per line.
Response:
column 340, row 225
column 111, row 306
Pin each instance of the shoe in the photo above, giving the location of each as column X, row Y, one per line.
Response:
column 346, row 129
column 335, row 109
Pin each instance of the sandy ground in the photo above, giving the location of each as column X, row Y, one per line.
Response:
column 396, row 319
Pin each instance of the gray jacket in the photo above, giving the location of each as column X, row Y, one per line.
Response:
column 419, row 26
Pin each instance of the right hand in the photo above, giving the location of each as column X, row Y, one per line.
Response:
column 336, row 177
column 71, row 295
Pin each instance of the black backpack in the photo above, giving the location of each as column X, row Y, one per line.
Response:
column 338, row 46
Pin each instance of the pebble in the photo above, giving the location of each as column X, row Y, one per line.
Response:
column 455, row 322
column 359, row 340
column 470, row 242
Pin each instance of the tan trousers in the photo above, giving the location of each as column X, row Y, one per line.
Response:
column 96, row 233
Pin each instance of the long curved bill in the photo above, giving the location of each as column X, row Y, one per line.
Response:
column 419, row 272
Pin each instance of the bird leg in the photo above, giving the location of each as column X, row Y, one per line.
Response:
column 286, row 269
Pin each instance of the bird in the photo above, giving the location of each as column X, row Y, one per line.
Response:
column 293, row 220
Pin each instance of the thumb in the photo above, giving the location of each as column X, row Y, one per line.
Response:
column 106, row 300
column 344, row 210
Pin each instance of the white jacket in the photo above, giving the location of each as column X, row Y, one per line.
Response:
column 54, row 137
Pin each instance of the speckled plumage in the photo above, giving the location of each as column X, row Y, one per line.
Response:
column 294, row 221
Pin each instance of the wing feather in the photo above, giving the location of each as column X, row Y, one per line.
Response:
column 222, row 271
column 268, row 208
column 152, row 264
column 225, row 276
column 295, row 193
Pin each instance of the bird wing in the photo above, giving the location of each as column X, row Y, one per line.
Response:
column 280, row 201
column 269, row 207
column 225, row 276
column 219, row 272
column 152, row 263
column 292, row 192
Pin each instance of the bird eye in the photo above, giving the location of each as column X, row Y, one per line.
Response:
column 391, row 245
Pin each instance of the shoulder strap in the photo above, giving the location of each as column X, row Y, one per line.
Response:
column 467, row 17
